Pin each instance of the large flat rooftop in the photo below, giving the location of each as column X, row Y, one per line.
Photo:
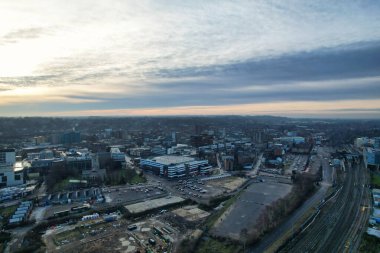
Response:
column 172, row 159
column 153, row 204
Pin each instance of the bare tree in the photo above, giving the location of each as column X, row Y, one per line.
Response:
column 244, row 237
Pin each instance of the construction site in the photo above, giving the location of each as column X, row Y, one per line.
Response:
column 111, row 233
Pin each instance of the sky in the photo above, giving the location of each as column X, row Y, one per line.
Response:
column 163, row 57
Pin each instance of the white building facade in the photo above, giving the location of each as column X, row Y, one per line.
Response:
column 11, row 172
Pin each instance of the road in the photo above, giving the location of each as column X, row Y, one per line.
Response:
column 340, row 224
column 256, row 167
column 328, row 173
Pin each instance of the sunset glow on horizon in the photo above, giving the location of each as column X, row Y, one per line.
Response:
column 141, row 58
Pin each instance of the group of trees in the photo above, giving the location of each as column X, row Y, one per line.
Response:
column 274, row 213
column 116, row 177
column 59, row 173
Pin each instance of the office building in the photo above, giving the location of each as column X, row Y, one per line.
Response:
column 201, row 140
column 371, row 157
column 66, row 138
column 176, row 166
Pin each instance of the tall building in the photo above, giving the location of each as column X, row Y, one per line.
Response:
column 37, row 140
column 96, row 172
column 174, row 137
column 258, row 136
column 66, row 138
column 228, row 162
column 201, row 140
column 11, row 172
column 376, row 142
column 7, row 157
column 78, row 163
column 70, row 137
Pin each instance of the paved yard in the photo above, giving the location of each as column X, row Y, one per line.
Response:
column 247, row 208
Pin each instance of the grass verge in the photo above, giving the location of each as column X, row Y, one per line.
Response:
column 137, row 179
column 375, row 180
column 288, row 234
column 213, row 245
column 214, row 217
column 369, row 244
column 8, row 211
column 62, row 185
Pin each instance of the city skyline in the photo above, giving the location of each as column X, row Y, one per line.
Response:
column 126, row 58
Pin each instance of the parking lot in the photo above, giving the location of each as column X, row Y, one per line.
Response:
column 128, row 194
column 192, row 188
column 299, row 162
column 248, row 207
column 200, row 190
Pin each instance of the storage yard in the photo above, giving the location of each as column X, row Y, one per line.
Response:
column 191, row 213
column 128, row 194
column 114, row 235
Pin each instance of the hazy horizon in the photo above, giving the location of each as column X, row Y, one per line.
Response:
column 297, row 59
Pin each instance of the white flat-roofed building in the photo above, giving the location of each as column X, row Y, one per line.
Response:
column 176, row 166
column 117, row 155
column 291, row 139
column 172, row 159
column 360, row 142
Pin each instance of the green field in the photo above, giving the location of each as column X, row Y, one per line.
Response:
column 369, row 244
column 6, row 212
column 122, row 177
column 375, row 180
column 62, row 185
column 137, row 179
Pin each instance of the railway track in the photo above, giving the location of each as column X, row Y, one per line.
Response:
column 337, row 239
column 361, row 218
column 353, row 220
column 339, row 222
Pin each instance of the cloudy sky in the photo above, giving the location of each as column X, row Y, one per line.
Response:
column 122, row 57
